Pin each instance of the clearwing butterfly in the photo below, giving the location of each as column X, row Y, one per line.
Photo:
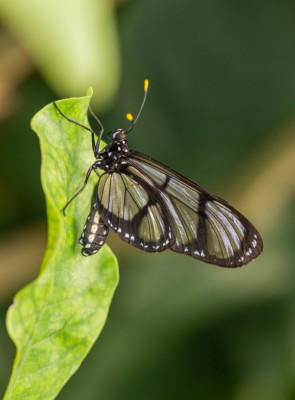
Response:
column 155, row 208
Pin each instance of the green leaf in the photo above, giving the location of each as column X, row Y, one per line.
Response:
column 55, row 320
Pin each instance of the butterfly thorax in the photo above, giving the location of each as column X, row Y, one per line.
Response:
column 114, row 155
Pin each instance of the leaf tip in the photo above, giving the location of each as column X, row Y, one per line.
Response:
column 89, row 92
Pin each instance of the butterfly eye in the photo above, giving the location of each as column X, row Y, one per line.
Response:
column 111, row 134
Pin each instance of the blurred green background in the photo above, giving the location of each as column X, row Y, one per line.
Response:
column 220, row 110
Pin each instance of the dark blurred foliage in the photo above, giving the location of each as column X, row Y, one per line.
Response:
column 22, row 199
column 222, row 92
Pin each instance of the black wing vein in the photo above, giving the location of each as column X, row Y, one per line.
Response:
column 207, row 225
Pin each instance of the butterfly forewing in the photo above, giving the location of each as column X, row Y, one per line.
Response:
column 132, row 208
column 205, row 226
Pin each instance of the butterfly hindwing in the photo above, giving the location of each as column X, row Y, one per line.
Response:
column 132, row 208
column 206, row 227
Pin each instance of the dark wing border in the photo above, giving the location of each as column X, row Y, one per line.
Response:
column 246, row 252
column 128, row 229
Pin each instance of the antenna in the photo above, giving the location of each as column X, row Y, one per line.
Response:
column 129, row 116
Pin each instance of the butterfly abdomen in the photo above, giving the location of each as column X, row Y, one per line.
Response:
column 94, row 234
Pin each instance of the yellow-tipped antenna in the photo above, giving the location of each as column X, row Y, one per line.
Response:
column 129, row 116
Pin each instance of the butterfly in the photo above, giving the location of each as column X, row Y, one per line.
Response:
column 154, row 208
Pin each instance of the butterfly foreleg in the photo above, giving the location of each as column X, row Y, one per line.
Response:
column 82, row 126
column 96, row 145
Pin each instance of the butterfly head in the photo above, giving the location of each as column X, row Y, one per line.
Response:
column 118, row 135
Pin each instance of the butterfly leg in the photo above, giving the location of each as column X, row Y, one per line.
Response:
column 82, row 126
column 94, row 234
column 97, row 144
column 93, row 167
